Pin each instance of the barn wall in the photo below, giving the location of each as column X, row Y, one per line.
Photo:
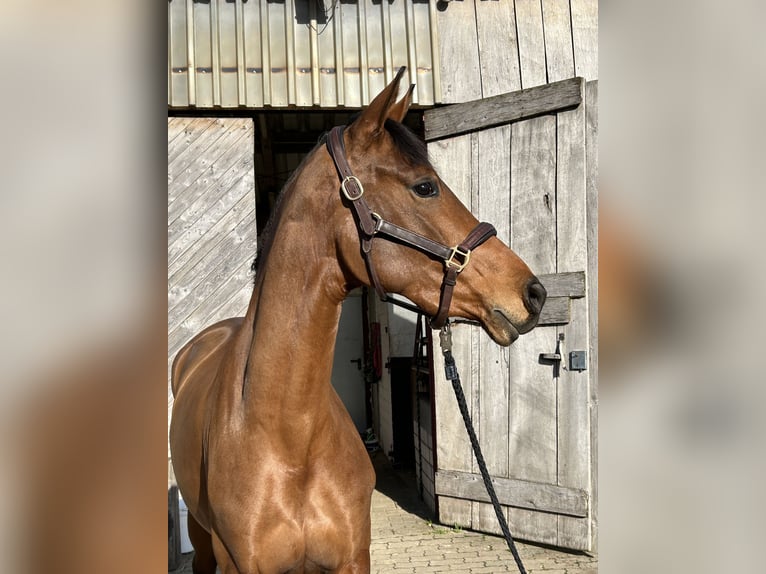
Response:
column 263, row 53
column 211, row 224
column 488, row 48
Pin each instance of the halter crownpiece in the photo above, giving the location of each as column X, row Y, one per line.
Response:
column 370, row 225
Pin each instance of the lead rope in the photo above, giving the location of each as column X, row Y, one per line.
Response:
column 450, row 370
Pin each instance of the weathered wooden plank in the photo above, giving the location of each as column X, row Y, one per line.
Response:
column 557, row 27
column 211, row 228
column 176, row 126
column 556, row 311
column 492, row 202
column 533, row 192
column 207, row 312
column 513, row 492
column 591, row 182
column 498, row 48
column 223, row 214
column 211, row 195
column 200, row 312
column 236, row 158
column 574, row 533
column 474, row 370
column 453, row 159
column 585, row 37
column 203, row 279
column 209, row 231
column 573, row 395
column 193, row 128
column 452, row 511
column 453, row 447
column 568, row 284
column 196, row 159
column 532, row 444
column 234, row 233
column 540, row 527
column 529, row 24
column 458, row 57
column 514, row 106
column 570, row 191
column 186, row 268
column 192, row 199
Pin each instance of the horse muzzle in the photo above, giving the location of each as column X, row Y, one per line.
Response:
column 534, row 296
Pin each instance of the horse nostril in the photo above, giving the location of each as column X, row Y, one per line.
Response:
column 534, row 296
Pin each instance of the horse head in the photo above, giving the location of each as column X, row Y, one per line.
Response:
column 390, row 167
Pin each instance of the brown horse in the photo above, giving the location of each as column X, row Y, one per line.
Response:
column 268, row 460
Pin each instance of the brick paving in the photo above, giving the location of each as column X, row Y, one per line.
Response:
column 405, row 541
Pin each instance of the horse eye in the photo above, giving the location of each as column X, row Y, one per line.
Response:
column 425, row 189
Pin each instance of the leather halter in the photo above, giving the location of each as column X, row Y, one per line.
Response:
column 370, row 225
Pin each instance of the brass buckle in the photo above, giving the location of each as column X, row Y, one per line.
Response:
column 454, row 263
column 358, row 184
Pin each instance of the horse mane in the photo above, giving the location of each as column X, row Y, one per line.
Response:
column 266, row 238
column 412, row 148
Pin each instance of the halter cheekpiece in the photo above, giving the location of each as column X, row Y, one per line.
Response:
column 370, row 225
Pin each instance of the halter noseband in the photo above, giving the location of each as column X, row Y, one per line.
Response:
column 370, row 224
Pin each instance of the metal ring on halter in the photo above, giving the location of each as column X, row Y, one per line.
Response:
column 378, row 222
column 454, row 263
column 354, row 179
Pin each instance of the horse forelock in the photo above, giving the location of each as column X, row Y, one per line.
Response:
column 413, row 149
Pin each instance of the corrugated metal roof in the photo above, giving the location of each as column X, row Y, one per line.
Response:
column 258, row 53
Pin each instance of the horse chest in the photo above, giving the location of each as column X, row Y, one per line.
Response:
column 322, row 522
column 317, row 512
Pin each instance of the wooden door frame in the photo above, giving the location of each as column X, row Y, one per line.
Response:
column 464, row 118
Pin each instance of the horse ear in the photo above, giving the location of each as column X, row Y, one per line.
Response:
column 400, row 108
column 374, row 116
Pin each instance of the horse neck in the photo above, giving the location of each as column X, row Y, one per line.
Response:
column 295, row 311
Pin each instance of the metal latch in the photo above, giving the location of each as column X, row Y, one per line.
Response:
column 553, row 358
column 577, row 361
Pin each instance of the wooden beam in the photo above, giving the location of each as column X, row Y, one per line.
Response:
column 555, row 311
column 513, row 106
column 512, row 492
column 570, row 284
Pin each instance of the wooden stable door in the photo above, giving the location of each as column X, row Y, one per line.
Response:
column 525, row 162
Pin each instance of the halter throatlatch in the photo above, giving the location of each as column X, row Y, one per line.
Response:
column 370, row 225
